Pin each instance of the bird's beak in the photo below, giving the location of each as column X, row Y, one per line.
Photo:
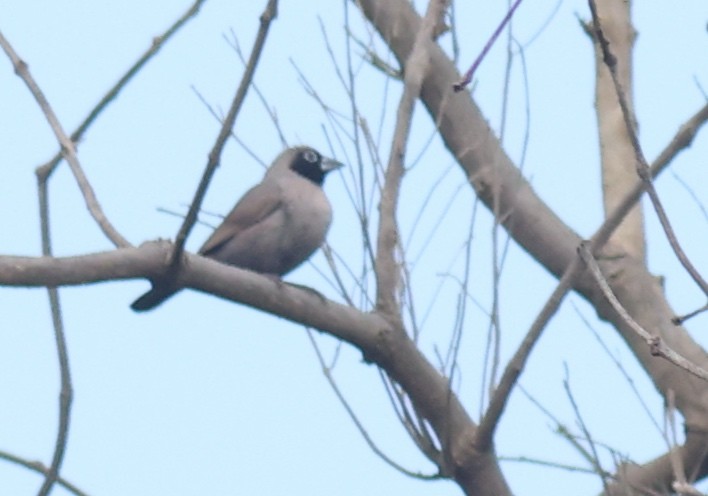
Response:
column 329, row 164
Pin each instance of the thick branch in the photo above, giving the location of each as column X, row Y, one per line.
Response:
column 655, row 343
column 535, row 226
column 656, row 476
column 390, row 349
column 617, row 154
column 642, row 167
column 149, row 260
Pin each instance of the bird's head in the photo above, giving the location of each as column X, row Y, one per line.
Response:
column 306, row 162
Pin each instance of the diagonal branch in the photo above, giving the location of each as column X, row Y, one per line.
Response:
column 327, row 372
column 38, row 467
column 378, row 341
column 270, row 12
column 68, row 149
column 679, row 142
column 157, row 43
column 532, row 224
column 657, row 345
column 498, row 402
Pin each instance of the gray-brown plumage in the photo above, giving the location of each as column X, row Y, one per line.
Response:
column 275, row 226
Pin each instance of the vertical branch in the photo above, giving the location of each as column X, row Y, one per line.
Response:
column 387, row 270
column 270, row 12
column 43, row 173
column 66, row 392
column 642, row 167
column 357, row 121
column 617, row 154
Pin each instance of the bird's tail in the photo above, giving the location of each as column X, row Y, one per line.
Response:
column 152, row 298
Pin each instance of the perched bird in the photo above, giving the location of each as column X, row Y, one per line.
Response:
column 275, row 226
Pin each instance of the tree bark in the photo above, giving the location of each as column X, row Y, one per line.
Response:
column 618, row 159
column 535, row 227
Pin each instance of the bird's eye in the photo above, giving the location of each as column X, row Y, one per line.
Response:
column 310, row 156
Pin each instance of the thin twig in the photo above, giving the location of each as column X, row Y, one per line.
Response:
column 220, row 119
column 68, row 149
column 234, row 43
column 678, row 143
column 593, row 457
column 358, row 127
column 491, row 417
column 416, row 429
column 656, row 344
column 680, row 319
column 268, row 15
column 157, row 43
column 691, row 192
column 327, row 372
column 620, row 367
column 376, row 61
column 547, row 464
column 563, row 431
column 40, row 468
column 461, row 307
column 66, row 392
column 387, row 270
column 643, row 169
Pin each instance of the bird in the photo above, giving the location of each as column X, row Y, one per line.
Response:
column 275, row 226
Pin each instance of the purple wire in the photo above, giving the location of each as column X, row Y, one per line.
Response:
column 459, row 86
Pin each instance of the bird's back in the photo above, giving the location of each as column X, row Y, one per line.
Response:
column 275, row 227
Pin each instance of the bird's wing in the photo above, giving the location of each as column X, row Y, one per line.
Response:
column 259, row 203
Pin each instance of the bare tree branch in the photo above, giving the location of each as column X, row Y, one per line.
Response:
column 616, row 152
column 43, row 173
column 490, row 420
column 327, row 372
column 532, row 224
column 476, row 471
column 157, row 43
column 657, row 345
column 67, row 147
column 387, row 269
column 643, row 169
column 66, row 393
column 270, row 12
column 39, row 468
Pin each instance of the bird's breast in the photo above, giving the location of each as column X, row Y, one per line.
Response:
column 308, row 211
column 308, row 215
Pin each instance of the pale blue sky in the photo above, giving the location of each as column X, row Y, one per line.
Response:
column 206, row 397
